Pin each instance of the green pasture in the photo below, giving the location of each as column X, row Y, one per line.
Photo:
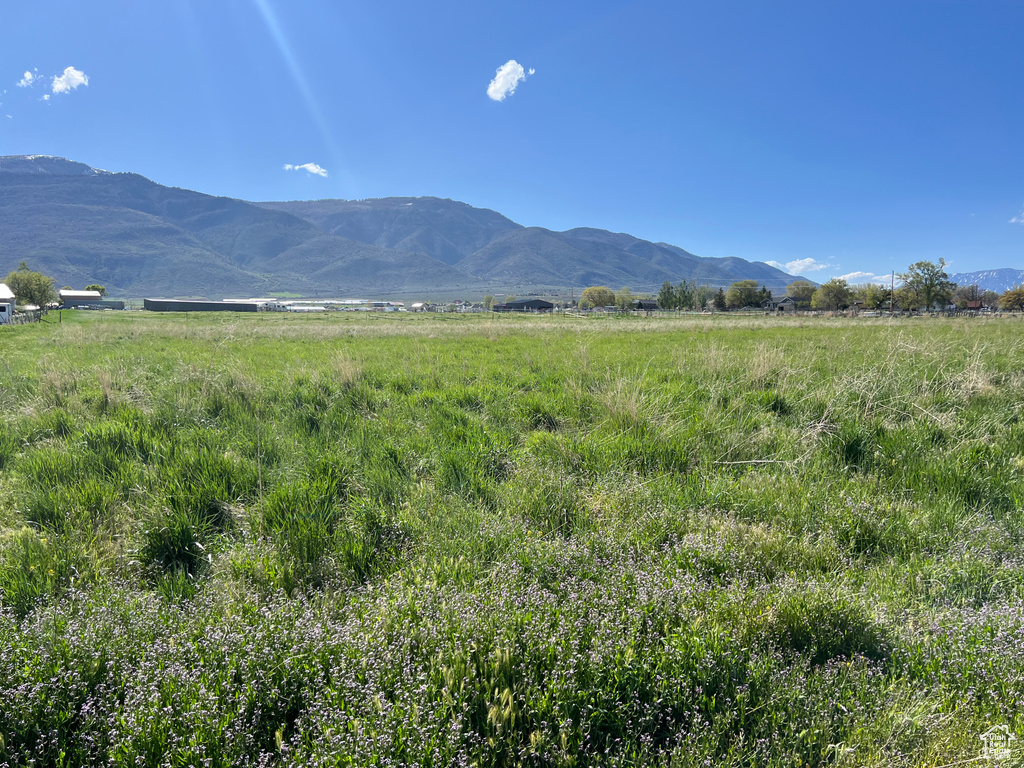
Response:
column 353, row 540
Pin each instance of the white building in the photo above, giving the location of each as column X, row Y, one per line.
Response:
column 6, row 304
column 71, row 298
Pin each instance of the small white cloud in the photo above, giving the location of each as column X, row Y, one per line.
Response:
column 71, row 79
column 46, row 97
column 797, row 266
column 856, row 278
column 1018, row 219
column 804, row 265
column 506, row 80
column 312, row 168
column 27, row 80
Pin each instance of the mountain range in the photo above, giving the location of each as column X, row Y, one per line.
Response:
column 998, row 280
column 83, row 225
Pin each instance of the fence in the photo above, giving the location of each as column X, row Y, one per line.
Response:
column 30, row 316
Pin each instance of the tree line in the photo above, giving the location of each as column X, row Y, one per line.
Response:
column 924, row 285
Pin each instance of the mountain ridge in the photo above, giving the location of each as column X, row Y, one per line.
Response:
column 83, row 225
column 998, row 280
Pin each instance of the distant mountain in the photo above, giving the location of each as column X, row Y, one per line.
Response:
column 447, row 230
column 47, row 164
column 83, row 225
column 140, row 238
column 492, row 249
column 998, row 280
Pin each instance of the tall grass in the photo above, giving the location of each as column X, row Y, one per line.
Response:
column 513, row 541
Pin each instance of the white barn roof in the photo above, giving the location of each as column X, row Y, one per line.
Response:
column 6, row 294
column 91, row 295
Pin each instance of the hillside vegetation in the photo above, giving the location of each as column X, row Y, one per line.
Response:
column 465, row 540
column 136, row 237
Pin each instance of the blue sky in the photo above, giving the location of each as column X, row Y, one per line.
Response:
column 836, row 137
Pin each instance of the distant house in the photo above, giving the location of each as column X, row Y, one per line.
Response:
column 6, row 304
column 783, row 305
column 645, row 305
column 524, row 305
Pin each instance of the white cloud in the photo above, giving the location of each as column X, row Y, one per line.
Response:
column 506, row 79
column 1018, row 219
column 27, row 80
column 798, row 266
column 856, row 278
column 71, row 79
column 312, row 168
column 804, row 265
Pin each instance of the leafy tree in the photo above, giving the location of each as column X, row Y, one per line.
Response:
column 667, row 296
column 702, row 295
column 801, row 292
column 692, row 295
column 764, row 295
column 835, row 294
column 966, row 293
column 1013, row 299
column 488, row 301
column 31, row 287
column 686, row 295
column 873, row 295
column 624, row 298
column 927, row 284
column 742, row 293
column 719, row 302
column 597, row 296
column 95, row 287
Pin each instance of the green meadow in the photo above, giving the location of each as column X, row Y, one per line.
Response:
column 342, row 540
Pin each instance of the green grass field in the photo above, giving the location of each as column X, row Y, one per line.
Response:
column 470, row 540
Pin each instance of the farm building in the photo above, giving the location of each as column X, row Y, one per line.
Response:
column 69, row 298
column 6, row 304
column 265, row 305
column 645, row 305
column 87, row 300
column 189, row 305
column 783, row 305
column 524, row 305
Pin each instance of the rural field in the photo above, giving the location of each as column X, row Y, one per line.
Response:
column 496, row 541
